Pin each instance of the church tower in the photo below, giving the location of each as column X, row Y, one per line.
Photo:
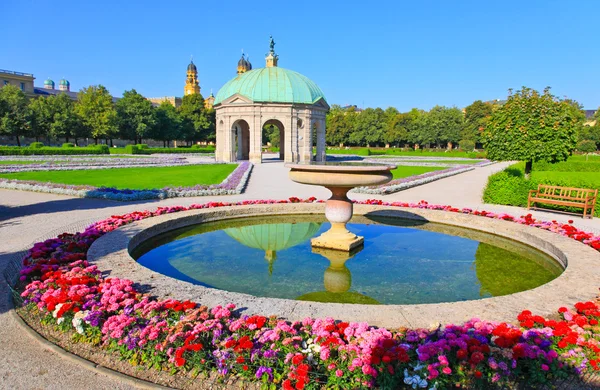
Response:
column 244, row 65
column 191, row 82
column 272, row 58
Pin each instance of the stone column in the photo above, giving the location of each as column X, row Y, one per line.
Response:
column 220, row 139
column 321, row 141
column 307, row 139
column 288, row 131
column 255, row 138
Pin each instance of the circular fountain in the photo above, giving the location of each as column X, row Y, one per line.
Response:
column 339, row 179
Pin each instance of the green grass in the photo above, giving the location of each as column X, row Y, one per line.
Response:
column 16, row 162
column 133, row 178
column 406, row 171
column 404, row 152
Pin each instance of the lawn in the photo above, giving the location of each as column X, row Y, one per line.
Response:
column 405, row 171
column 133, row 178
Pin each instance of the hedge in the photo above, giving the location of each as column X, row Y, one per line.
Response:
column 68, row 145
column 46, row 151
column 509, row 187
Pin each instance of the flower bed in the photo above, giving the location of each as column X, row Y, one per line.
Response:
column 233, row 184
column 55, row 164
column 72, row 294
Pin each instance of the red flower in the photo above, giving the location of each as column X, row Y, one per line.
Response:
column 562, row 309
column 287, row 385
column 478, row 374
column 297, row 359
column 179, row 361
column 245, row 368
column 240, row 359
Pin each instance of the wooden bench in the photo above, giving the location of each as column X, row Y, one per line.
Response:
column 564, row 196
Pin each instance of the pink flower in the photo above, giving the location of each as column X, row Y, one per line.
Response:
column 339, row 373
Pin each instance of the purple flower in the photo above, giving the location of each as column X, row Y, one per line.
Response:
column 264, row 370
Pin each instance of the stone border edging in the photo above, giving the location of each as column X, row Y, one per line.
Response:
column 577, row 283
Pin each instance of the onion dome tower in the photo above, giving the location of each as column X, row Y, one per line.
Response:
column 49, row 84
column 64, row 85
column 191, row 82
column 244, row 64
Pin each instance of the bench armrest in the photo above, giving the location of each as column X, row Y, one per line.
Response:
column 531, row 192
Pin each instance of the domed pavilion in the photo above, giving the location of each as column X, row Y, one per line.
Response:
column 270, row 96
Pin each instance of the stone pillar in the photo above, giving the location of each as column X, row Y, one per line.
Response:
column 256, row 138
column 220, row 139
column 307, row 139
column 289, row 141
column 321, row 141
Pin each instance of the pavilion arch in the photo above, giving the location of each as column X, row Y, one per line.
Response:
column 241, row 131
column 277, row 123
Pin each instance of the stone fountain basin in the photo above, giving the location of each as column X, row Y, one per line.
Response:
column 579, row 281
column 340, row 174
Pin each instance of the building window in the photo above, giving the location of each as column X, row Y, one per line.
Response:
column 22, row 86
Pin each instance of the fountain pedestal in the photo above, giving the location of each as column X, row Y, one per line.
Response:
column 339, row 179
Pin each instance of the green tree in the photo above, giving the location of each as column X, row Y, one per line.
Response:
column 168, row 124
column 336, row 125
column 444, row 125
column 397, row 125
column 369, row 127
column 136, row 116
column 96, row 109
column 417, row 125
column 476, row 116
column 199, row 122
column 65, row 121
column 14, row 112
column 533, row 126
column 41, row 112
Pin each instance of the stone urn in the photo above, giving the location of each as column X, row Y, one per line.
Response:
column 339, row 178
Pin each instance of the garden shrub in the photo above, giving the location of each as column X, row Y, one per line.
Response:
column 68, row 145
column 363, row 152
column 104, row 148
column 48, row 151
column 143, row 146
column 132, row 149
column 466, row 145
column 180, row 150
column 36, row 145
column 509, row 187
column 586, row 146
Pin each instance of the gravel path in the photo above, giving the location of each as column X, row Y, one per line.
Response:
column 25, row 217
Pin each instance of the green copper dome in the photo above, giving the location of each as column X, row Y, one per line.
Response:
column 48, row 82
column 64, row 82
column 272, row 85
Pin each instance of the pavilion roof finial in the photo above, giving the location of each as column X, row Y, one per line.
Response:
column 272, row 58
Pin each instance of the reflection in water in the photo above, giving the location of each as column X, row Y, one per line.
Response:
column 402, row 262
column 273, row 237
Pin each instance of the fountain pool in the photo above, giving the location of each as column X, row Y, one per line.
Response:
column 402, row 261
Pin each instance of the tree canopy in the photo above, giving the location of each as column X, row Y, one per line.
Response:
column 95, row 108
column 14, row 112
column 533, row 126
column 136, row 116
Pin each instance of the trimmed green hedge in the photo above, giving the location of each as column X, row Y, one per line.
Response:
column 509, row 187
column 36, row 145
column 181, row 150
column 48, row 151
column 68, row 145
column 134, row 149
column 407, row 152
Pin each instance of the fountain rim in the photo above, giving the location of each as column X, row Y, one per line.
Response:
column 578, row 282
column 340, row 167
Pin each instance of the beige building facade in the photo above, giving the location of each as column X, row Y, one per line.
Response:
column 23, row 81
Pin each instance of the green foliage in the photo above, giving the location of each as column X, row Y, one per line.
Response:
column 134, row 149
column 476, row 117
column 443, row 125
column 14, row 113
column 103, row 148
column 36, row 145
column 532, row 127
column 135, row 116
column 169, row 125
column 48, row 151
column 181, row 150
column 466, row 145
column 363, row 152
column 586, row 146
column 198, row 122
column 509, row 187
column 143, row 146
column 68, row 145
column 97, row 111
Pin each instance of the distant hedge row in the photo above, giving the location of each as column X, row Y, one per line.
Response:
column 37, row 150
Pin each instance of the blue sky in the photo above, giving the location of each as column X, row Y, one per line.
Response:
column 379, row 53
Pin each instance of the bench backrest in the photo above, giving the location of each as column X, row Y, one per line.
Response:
column 567, row 193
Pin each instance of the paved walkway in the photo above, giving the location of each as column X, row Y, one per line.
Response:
column 27, row 216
